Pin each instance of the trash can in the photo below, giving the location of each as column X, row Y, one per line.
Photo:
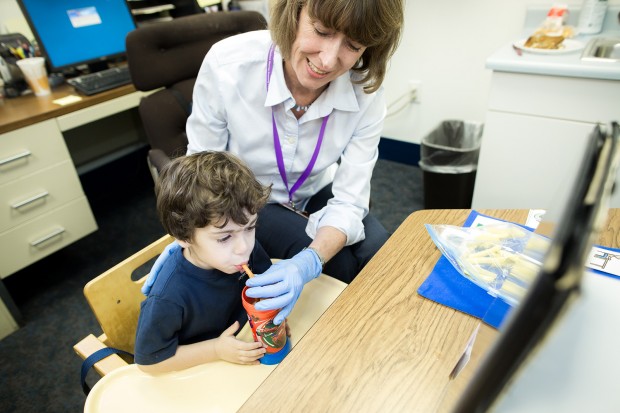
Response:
column 448, row 160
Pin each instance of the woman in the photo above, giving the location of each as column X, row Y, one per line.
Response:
column 302, row 105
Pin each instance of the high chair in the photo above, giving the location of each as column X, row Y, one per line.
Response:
column 115, row 300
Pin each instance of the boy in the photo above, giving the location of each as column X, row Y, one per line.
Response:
column 209, row 202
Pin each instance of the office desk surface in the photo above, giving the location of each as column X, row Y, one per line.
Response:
column 381, row 346
column 23, row 111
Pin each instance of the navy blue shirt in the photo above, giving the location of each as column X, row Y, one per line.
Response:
column 188, row 304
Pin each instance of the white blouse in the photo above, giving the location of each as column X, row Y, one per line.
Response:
column 232, row 111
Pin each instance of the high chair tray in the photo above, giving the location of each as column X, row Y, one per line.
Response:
column 212, row 387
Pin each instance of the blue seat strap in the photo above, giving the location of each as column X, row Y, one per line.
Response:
column 94, row 358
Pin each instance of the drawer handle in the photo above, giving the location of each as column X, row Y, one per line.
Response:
column 47, row 237
column 30, row 200
column 14, row 158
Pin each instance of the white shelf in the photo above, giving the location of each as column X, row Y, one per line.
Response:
column 152, row 9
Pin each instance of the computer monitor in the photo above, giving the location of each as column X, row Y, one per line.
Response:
column 558, row 286
column 71, row 33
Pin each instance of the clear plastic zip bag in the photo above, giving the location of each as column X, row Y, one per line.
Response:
column 502, row 258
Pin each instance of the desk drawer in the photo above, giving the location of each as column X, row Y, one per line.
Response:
column 578, row 99
column 27, row 243
column 26, row 150
column 38, row 193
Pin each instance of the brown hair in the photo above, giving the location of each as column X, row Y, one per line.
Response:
column 207, row 188
column 376, row 24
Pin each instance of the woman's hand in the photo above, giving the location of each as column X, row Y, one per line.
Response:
column 158, row 265
column 229, row 348
column 282, row 284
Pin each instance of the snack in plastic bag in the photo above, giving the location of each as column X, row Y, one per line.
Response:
column 553, row 31
column 502, row 258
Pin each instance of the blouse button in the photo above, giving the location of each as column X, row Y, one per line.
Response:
column 291, row 139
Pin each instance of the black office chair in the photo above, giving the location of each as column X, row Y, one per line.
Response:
column 167, row 56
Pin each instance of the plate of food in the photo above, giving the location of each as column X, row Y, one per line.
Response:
column 548, row 45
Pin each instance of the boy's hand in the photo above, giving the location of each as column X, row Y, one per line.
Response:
column 229, row 348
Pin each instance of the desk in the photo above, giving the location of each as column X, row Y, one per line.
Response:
column 27, row 110
column 395, row 359
column 43, row 205
column 389, row 349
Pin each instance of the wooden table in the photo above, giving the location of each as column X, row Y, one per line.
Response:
column 381, row 346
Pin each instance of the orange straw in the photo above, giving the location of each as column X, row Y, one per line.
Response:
column 247, row 270
column 250, row 275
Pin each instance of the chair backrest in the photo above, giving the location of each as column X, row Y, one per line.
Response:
column 115, row 298
column 169, row 55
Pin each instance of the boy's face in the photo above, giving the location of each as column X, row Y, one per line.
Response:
column 224, row 249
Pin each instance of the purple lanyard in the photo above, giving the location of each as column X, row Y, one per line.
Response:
column 278, row 148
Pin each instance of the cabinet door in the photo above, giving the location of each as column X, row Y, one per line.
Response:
column 7, row 322
column 528, row 162
column 38, row 193
column 30, row 149
column 578, row 99
column 39, row 237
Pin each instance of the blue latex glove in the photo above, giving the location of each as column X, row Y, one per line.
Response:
column 157, row 266
column 283, row 282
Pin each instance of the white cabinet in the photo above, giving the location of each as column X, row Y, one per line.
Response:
column 42, row 205
column 7, row 322
column 535, row 135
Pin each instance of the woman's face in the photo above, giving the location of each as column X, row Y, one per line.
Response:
column 319, row 55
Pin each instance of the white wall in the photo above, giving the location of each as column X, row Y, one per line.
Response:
column 12, row 19
column 444, row 46
column 8, row 9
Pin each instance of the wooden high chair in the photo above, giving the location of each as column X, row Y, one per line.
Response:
column 115, row 300
column 217, row 386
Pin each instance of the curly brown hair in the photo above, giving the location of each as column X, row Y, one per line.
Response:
column 207, row 188
column 376, row 24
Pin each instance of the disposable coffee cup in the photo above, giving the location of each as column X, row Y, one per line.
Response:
column 35, row 74
column 272, row 336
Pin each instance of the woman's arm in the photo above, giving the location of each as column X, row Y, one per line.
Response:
column 351, row 184
column 207, row 124
column 328, row 242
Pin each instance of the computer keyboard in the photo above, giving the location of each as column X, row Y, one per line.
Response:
column 97, row 82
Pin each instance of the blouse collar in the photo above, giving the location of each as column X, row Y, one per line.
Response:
column 339, row 95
